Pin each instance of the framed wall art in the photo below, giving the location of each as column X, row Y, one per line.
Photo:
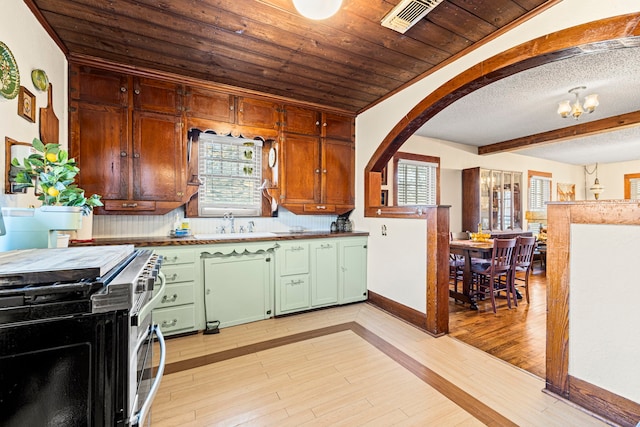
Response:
column 26, row 105
column 566, row 192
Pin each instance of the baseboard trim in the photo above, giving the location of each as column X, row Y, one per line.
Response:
column 609, row 405
column 401, row 311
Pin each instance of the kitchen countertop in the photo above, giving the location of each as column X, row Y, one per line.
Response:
column 190, row 240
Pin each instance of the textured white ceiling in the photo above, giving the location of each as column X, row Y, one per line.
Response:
column 526, row 104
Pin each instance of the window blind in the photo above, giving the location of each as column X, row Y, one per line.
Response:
column 635, row 188
column 539, row 193
column 417, row 182
column 231, row 175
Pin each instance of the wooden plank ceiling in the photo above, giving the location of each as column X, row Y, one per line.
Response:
column 347, row 62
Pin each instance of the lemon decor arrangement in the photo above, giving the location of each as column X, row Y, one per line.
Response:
column 53, row 173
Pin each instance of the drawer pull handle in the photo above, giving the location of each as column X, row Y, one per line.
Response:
column 172, row 298
column 320, row 207
column 296, row 282
column 297, row 248
column 129, row 205
column 165, row 323
column 173, row 277
column 174, row 259
column 326, row 246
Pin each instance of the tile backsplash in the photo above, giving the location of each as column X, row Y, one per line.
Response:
column 160, row 225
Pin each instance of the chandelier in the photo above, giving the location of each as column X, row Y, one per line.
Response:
column 565, row 109
column 596, row 188
column 316, row 9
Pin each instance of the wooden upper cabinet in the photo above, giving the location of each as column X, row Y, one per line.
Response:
column 257, row 113
column 157, row 95
column 209, row 105
column 158, row 157
column 126, row 134
column 338, row 172
column 100, row 86
column 337, row 126
column 301, row 120
column 300, row 169
column 100, row 144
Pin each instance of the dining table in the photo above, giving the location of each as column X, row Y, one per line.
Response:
column 469, row 249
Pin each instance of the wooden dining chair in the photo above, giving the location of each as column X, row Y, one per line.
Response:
column 494, row 275
column 522, row 264
column 456, row 262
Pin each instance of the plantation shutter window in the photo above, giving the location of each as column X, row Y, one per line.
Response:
column 417, row 182
column 231, row 175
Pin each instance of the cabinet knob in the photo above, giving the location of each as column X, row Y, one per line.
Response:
column 324, row 124
column 317, row 170
column 317, row 123
column 123, row 154
column 324, row 171
column 123, row 89
column 137, row 91
column 136, row 155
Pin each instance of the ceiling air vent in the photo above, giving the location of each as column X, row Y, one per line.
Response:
column 407, row 13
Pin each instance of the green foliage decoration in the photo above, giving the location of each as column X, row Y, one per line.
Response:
column 53, row 173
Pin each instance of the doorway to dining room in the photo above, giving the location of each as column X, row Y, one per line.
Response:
column 516, row 335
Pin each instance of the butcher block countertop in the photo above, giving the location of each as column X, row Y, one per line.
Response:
column 185, row 241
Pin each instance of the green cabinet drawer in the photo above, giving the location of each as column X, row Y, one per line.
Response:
column 176, row 256
column 175, row 319
column 177, row 294
column 293, row 258
column 293, row 293
column 179, row 273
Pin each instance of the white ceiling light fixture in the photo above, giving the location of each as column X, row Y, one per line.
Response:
column 317, row 9
column 565, row 109
column 596, row 188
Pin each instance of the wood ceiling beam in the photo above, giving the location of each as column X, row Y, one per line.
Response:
column 558, row 135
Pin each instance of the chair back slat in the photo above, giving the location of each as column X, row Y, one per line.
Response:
column 502, row 256
column 525, row 247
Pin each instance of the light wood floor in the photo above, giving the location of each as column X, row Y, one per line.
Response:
column 517, row 336
column 352, row 365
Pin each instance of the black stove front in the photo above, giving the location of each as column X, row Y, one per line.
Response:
column 65, row 345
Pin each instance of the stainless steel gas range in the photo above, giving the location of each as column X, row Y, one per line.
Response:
column 76, row 336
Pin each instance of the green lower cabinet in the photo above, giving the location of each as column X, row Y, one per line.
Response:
column 180, row 310
column 292, row 294
column 353, row 270
column 237, row 288
column 324, row 273
column 319, row 273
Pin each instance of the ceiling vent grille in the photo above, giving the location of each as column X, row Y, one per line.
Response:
column 407, row 13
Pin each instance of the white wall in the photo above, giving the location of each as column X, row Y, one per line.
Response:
column 603, row 314
column 611, row 177
column 374, row 124
column 33, row 49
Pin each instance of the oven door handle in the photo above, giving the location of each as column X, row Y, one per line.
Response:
column 139, row 417
column 157, row 296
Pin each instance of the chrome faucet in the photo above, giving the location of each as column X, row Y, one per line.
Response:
column 229, row 216
column 251, row 226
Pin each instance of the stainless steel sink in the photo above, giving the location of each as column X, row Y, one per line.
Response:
column 235, row 236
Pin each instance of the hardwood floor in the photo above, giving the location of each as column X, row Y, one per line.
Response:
column 350, row 365
column 517, row 336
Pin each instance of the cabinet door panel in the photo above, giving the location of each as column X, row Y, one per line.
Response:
column 155, row 95
column 293, row 258
column 293, row 293
column 353, row 270
column 337, row 126
column 301, row 120
column 210, row 105
column 99, row 144
column 324, row 278
column 257, row 113
column 158, row 159
column 99, row 86
column 237, row 289
column 301, row 169
column 338, row 168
